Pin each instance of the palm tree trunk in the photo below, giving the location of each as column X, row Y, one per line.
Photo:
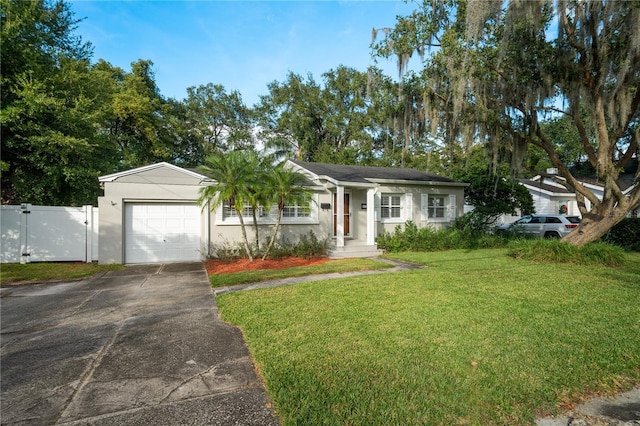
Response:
column 273, row 237
column 247, row 248
column 256, row 227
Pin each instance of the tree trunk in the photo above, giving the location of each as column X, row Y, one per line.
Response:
column 595, row 225
column 247, row 248
column 256, row 227
column 273, row 237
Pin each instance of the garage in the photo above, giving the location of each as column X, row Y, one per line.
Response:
column 161, row 232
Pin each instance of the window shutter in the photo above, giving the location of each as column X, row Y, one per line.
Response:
column 408, row 204
column 377, row 206
column 452, row 207
column 424, row 206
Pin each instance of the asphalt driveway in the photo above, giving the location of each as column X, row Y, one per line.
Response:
column 139, row 346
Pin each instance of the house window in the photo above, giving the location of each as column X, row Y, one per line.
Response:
column 437, row 207
column 296, row 210
column 247, row 211
column 390, row 206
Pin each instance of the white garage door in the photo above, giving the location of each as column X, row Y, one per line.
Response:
column 156, row 232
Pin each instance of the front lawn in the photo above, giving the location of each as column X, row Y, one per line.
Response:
column 476, row 338
column 46, row 271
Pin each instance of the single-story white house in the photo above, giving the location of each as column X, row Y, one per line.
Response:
column 150, row 214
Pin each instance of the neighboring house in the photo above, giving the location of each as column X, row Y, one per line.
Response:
column 150, row 214
column 551, row 197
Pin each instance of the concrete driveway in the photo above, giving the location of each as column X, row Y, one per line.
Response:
column 139, row 346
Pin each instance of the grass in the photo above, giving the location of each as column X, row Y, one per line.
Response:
column 15, row 272
column 334, row 266
column 557, row 251
column 478, row 338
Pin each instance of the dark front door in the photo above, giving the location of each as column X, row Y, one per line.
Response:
column 346, row 217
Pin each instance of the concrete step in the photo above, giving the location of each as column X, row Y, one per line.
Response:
column 353, row 249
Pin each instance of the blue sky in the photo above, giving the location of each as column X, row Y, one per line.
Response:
column 241, row 45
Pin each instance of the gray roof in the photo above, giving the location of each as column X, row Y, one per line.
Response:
column 625, row 181
column 365, row 174
column 546, row 186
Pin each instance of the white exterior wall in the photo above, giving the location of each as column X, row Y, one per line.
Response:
column 415, row 213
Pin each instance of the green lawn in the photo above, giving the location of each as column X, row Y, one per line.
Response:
column 477, row 338
column 333, row 266
column 15, row 272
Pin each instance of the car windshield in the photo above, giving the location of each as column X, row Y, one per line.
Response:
column 573, row 219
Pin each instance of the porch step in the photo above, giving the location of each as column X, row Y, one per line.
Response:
column 353, row 249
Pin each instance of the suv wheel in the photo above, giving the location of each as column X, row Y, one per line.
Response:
column 551, row 235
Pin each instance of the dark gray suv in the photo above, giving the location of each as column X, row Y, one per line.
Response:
column 542, row 225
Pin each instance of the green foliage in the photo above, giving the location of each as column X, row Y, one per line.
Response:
column 494, row 73
column 283, row 187
column 220, row 121
column 412, row 238
column 49, row 147
column 308, row 246
column 473, row 222
column 556, row 251
column 625, row 234
column 226, row 251
column 234, row 179
column 351, row 117
column 491, row 191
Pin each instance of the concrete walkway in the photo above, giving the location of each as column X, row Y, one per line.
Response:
column 397, row 266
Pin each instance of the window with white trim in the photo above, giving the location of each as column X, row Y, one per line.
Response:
column 296, row 210
column 292, row 214
column 390, row 206
column 229, row 211
column 436, row 207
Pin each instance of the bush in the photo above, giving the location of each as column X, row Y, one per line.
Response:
column 412, row 238
column 227, row 252
column 474, row 222
column 556, row 251
column 307, row 247
column 625, row 234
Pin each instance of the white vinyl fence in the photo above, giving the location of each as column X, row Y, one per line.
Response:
column 48, row 234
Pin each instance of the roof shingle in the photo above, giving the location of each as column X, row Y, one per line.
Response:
column 364, row 174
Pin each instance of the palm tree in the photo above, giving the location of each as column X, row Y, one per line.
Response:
column 260, row 195
column 234, row 179
column 287, row 188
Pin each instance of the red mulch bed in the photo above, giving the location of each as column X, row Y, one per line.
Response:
column 219, row 267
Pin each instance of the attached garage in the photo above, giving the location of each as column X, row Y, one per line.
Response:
column 162, row 232
column 151, row 215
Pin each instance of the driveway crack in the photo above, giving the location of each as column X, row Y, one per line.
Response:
column 188, row 379
column 86, row 376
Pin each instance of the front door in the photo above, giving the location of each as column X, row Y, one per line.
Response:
column 347, row 215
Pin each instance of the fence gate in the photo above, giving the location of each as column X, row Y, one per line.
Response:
column 48, row 234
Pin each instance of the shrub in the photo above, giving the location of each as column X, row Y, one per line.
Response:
column 625, row 234
column 557, row 251
column 412, row 238
column 474, row 222
column 226, row 251
column 307, row 247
